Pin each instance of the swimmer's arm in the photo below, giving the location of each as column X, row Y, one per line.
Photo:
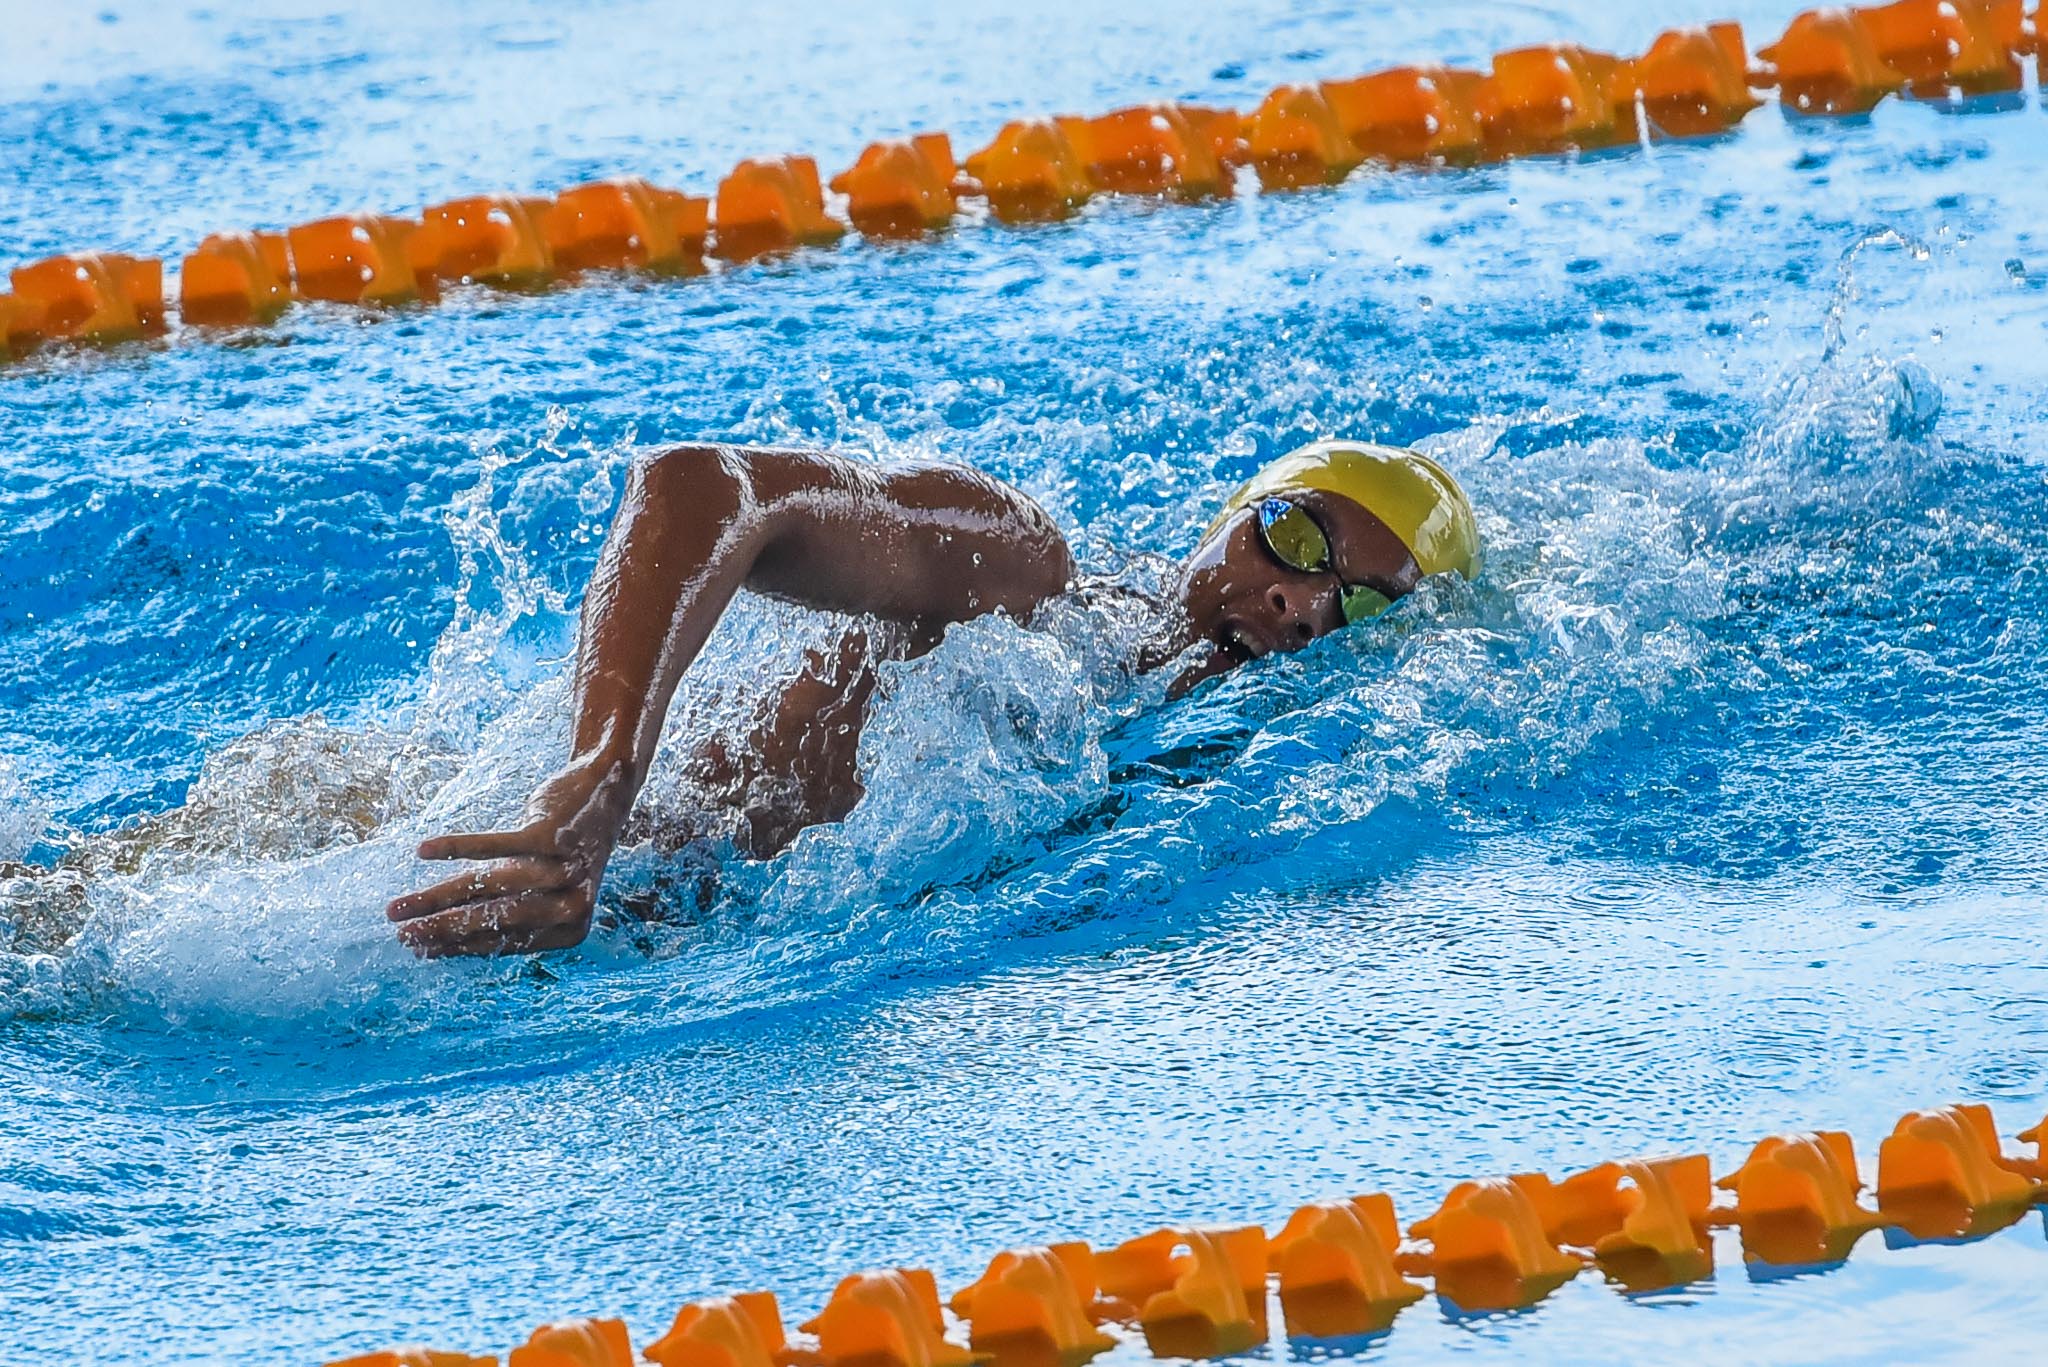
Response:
column 922, row 547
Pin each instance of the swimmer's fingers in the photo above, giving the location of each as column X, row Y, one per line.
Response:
column 509, row 876
column 491, row 845
column 524, row 924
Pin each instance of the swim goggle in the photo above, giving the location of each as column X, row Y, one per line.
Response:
column 1293, row 537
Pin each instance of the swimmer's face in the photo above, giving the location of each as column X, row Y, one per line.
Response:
column 1242, row 602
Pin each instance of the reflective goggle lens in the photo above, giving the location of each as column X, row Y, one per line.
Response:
column 1360, row 603
column 1293, row 536
column 1297, row 541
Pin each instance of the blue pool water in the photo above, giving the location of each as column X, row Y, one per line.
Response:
column 1716, row 807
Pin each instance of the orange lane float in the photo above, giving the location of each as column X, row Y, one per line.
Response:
column 1335, row 1262
column 1197, row 1292
column 886, row 1319
column 575, row 1343
column 86, row 297
column 1294, row 140
column 1580, row 1208
column 489, row 239
column 1644, row 1219
column 900, row 189
column 1795, row 1199
column 141, row 279
column 1033, row 1306
column 1826, row 63
column 18, row 321
column 723, row 1331
column 1158, row 149
column 1941, row 1172
column 1488, row 1248
column 771, row 206
column 1695, row 80
column 356, row 259
column 625, row 223
column 1030, row 171
column 2037, row 1166
column 1536, row 100
column 1411, row 114
column 1969, row 47
column 1495, row 1244
column 235, row 279
column 1558, row 98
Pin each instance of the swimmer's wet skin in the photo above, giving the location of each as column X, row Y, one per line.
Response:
column 1319, row 539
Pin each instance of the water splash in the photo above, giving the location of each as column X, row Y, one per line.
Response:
column 1017, row 777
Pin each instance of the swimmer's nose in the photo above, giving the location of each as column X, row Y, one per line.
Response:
column 1293, row 610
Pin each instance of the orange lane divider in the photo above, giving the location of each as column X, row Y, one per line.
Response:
column 1158, row 149
column 1031, row 170
column 1662, row 1240
column 723, row 1331
column 2036, row 1167
column 616, row 224
column 1412, row 114
column 356, row 259
column 900, row 189
column 415, row 1357
column 1197, row 1292
column 1294, row 139
column 235, row 279
column 1035, row 1305
column 489, row 239
column 1338, row 1266
column 87, row 296
column 576, row 1343
column 1694, row 81
column 886, row 1319
column 1645, row 1220
column 1488, row 1250
column 1795, row 1199
column 1558, row 98
column 18, row 319
column 1969, row 46
column 1335, row 1264
column 1827, row 64
column 1941, row 1173
column 771, row 206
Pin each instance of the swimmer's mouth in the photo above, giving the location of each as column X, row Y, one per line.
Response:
column 1238, row 644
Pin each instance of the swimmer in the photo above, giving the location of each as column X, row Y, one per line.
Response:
column 1322, row 538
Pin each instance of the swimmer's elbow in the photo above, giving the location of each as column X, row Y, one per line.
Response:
column 689, row 485
column 689, row 471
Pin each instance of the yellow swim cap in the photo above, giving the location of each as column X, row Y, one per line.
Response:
column 1412, row 494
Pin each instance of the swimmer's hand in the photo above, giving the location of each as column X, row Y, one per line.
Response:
column 542, row 879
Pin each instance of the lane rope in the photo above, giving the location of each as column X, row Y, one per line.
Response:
column 1341, row 1268
column 1550, row 100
